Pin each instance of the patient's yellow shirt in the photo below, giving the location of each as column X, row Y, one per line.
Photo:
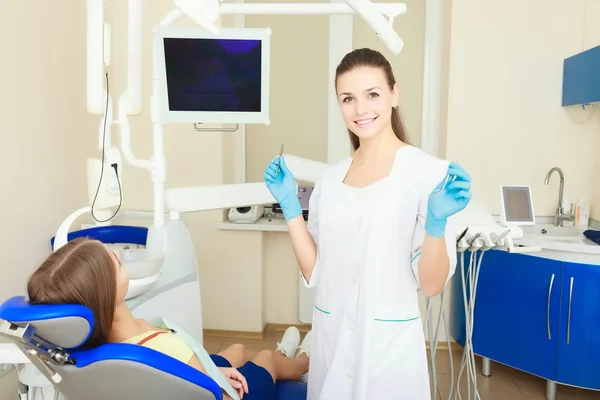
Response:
column 165, row 342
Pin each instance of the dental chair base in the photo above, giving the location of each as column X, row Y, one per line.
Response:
column 51, row 337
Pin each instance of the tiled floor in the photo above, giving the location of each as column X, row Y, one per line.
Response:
column 504, row 384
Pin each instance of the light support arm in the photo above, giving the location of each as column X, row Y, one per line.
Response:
column 377, row 22
column 126, row 135
column 134, row 57
column 388, row 9
column 202, row 12
column 432, row 77
column 95, row 56
column 373, row 14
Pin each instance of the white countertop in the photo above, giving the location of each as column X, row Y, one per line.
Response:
column 550, row 237
column 582, row 245
column 263, row 224
column 559, row 239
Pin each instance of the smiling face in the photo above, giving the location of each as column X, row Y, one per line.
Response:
column 366, row 101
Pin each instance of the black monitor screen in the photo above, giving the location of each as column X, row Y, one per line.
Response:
column 213, row 75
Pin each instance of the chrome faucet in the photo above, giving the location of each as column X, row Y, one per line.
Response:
column 560, row 217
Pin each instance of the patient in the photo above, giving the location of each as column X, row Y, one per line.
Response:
column 87, row 272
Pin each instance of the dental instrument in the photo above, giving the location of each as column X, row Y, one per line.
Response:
column 280, row 154
column 448, row 175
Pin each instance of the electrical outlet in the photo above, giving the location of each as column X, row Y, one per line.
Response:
column 113, row 156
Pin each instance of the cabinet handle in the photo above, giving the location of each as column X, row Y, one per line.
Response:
column 548, row 311
column 569, row 316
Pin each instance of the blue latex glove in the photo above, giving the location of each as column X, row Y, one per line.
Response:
column 450, row 200
column 283, row 187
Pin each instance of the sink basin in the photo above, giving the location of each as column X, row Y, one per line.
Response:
column 551, row 232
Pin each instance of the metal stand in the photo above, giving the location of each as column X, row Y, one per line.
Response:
column 486, row 367
column 550, row 390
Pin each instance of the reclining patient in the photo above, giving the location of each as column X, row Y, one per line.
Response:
column 87, row 272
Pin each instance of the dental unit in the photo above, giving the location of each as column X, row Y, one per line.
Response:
column 164, row 267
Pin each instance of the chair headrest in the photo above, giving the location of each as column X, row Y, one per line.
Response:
column 64, row 325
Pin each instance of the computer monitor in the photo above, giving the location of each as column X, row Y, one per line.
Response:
column 517, row 205
column 213, row 79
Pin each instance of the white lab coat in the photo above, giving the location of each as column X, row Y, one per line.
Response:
column 368, row 340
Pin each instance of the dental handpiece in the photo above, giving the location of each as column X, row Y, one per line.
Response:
column 497, row 238
column 462, row 235
column 474, row 238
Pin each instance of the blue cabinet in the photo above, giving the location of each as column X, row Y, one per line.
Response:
column 536, row 314
column 512, row 322
column 579, row 340
column 517, row 313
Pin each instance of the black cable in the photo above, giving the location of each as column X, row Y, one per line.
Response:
column 102, row 168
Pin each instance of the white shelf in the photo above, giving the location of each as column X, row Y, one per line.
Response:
column 263, row 224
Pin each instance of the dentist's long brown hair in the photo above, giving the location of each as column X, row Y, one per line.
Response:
column 372, row 58
column 81, row 272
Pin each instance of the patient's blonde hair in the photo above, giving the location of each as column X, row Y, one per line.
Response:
column 80, row 272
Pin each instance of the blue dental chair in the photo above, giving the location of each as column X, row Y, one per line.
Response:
column 50, row 336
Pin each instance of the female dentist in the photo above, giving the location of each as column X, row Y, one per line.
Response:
column 377, row 232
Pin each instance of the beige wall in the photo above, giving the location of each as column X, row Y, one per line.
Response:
column 505, row 98
column 45, row 134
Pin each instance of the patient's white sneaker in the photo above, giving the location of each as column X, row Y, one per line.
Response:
column 305, row 348
column 289, row 341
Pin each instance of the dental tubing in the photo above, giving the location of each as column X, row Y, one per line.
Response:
column 477, row 240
